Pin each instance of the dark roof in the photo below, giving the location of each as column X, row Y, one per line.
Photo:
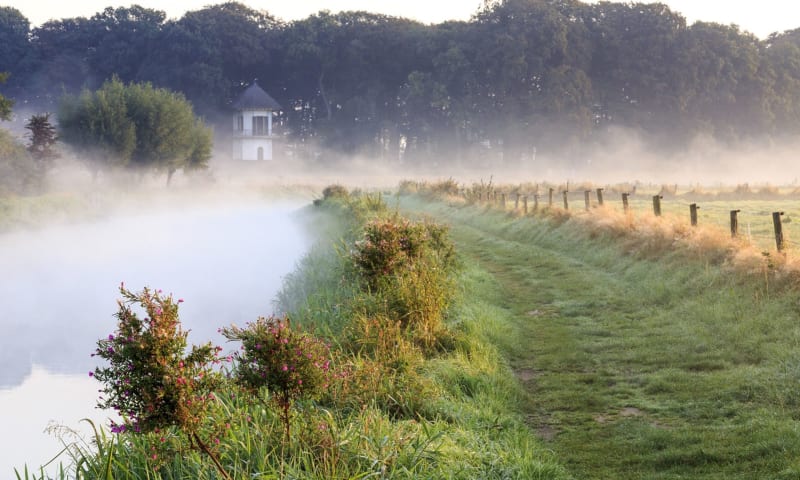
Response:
column 255, row 98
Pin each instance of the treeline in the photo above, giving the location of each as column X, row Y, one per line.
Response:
column 521, row 77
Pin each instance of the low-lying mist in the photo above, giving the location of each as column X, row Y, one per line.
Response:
column 620, row 156
column 61, row 282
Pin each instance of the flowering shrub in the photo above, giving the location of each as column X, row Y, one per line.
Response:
column 150, row 380
column 291, row 363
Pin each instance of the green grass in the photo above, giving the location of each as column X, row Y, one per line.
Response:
column 459, row 412
column 659, row 368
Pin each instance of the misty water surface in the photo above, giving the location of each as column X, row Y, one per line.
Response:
column 60, row 285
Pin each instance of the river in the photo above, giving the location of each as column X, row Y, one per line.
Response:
column 60, row 285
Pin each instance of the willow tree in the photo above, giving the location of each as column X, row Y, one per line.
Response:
column 137, row 127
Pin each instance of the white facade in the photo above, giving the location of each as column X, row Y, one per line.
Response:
column 252, row 135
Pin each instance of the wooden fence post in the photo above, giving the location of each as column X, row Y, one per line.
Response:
column 525, row 204
column 600, row 196
column 735, row 223
column 516, row 203
column 566, row 202
column 625, row 206
column 693, row 214
column 503, row 201
column 550, row 199
column 587, row 200
column 536, row 202
column 776, row 221
column 657, row 205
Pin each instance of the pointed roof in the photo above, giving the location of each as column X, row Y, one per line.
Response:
column 255, row 98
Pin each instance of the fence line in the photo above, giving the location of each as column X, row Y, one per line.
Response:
column 593, row 199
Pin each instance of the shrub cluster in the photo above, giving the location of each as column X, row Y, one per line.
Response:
column 392, row 323
column 150, row 380
column 289, row 363
column 409, row 266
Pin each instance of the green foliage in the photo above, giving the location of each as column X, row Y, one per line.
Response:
column 136, row 126
column 291, row 363
column 14, row 30
column 18, row 173
column 393, row 245
column 549, row 75
column 672, row 364
column 150, row 380
column 42, row 137
column 5, row 103
column 335, row 191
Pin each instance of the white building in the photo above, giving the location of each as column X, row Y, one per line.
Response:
column 252, row 124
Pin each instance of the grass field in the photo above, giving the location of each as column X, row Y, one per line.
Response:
column 658, row 368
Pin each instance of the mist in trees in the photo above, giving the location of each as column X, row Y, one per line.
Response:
column 135, row 126
column 521, row 78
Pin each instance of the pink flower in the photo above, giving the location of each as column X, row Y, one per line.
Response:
column 285, row 368
column 180, row 300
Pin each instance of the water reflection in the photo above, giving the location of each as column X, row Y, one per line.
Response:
column 59, row 288
column 41, row 401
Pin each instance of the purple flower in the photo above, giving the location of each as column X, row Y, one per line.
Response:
column 117, row 428
column 110, row 337
column 91, row 374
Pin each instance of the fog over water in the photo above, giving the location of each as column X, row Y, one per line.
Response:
column 60, row 285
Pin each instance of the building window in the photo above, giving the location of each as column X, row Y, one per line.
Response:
column 239, row 123
column 260, row 126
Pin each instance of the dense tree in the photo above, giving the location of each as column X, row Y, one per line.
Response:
column 14, row 29
column 42, row 136
column 135, row 126
column 521, row 76
column 212, row 52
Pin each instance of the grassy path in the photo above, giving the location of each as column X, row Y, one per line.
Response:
column 635, row 368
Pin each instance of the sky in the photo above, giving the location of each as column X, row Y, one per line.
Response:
column 759, row 17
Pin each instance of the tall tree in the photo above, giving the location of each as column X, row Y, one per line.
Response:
column 122, row 39
column 212, row 52
column 42, row 136
column 14, row 31
column 135, row 126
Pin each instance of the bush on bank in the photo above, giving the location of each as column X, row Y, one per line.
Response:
column 366, row 380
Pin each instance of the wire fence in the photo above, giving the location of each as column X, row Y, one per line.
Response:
column 765, row 223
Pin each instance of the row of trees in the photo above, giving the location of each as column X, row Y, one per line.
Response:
column 135, row 126
column 520, row 76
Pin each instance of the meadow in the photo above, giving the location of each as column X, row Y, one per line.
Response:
column 646, row 348
column 473, row 340
column 416, row 387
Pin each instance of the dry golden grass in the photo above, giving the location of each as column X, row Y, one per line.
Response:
column 645, row 236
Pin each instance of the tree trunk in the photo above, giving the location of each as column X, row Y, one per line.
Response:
column 324, row 97
column 211, row 454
